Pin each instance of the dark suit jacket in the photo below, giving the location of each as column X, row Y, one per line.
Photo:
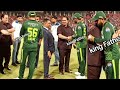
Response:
column 48, row 41
column 96, row 58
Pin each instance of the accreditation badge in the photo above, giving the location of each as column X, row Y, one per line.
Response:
column 107, row 29
column 79, row 27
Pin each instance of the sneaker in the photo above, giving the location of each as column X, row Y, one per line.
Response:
column 16, row 78
column 17, row 62
column 80, row 77
column 14, row 64
column 55, row 64
column 77, row 73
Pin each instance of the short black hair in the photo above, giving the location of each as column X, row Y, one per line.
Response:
column 45, row 20
column 38, row 16
column 65, row 17
column 55, row 17
column 19, row 15
column 2, row 16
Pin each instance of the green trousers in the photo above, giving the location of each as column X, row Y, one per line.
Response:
column 81, row 53
column 117, row 68
column 32, row 59
column 110, row 69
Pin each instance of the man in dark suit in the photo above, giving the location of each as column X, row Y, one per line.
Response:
column 49, row 47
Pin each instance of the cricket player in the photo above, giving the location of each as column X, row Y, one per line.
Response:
column 116, row 54
column 37, row 18
column 111, row 52
column 81, row 31
column 30, row 44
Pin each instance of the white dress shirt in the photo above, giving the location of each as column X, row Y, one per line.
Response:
column 17, row 26
column 54, row 31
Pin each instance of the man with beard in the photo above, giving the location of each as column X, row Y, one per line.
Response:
column 95, row 60
column 111, row 52
column 81, row 31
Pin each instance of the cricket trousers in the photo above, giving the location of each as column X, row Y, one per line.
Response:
column 117, row 68
column 81, row 53
column 110, row 70
column 37, row 57
column 32, row 59
column 16, row 46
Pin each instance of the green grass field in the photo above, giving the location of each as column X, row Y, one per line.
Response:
column 38, row 74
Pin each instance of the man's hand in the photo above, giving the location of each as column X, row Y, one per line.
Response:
column 49, row 54
column 115, row 35
column 13, row 40
column 69, row 38
column 11, row 30
column 74, row 45
column 40, row 42
column 91, row 38
column 5, row 32
column 118, row 32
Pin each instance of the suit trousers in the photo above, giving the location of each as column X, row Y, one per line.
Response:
column 64, row 59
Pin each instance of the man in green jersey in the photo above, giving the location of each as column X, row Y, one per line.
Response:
column 112, row 51
column 116, row 53
column 30, row 44
column 81, row 31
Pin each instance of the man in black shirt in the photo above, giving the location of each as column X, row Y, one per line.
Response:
column 6, row 32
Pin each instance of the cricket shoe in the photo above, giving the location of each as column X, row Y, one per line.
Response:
column 80, row 77
column 16, row 78
column 77, row 73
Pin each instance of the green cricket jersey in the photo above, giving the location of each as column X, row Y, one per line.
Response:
column 107, row 33
column 81, row 31
column 35, row 31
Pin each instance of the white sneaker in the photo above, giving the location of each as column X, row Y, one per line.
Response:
column 80, row 77
column 77, row 73
column 16, row 78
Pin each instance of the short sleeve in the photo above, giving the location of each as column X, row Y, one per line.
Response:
column 59, row 30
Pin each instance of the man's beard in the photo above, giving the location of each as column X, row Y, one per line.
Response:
column 75, row 22
column 100, row 26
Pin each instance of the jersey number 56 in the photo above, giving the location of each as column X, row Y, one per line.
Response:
column 33, row 33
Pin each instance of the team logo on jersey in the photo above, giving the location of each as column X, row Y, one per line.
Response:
column 83, row 25
column 107, row 29
column 79, row 27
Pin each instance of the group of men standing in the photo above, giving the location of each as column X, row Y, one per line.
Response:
column 55, row 38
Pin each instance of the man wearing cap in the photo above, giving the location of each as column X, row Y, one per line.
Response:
column 112, row 51
column 81, row 31
column 30, row 45
column 37, row 18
